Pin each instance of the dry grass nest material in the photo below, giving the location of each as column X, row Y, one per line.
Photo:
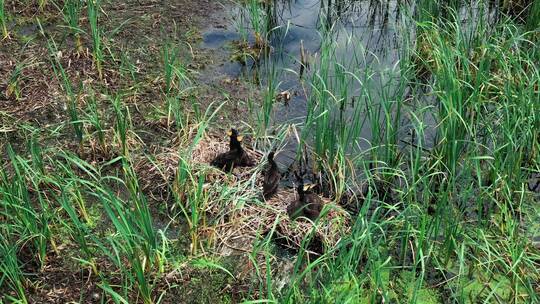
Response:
column 256, row 219
column 209, row 147
column 157, row 172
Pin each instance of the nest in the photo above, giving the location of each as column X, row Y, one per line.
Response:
column 245, row 224
column 257, row 219
column 157, row 173
column 240, row 222
column 211, row 146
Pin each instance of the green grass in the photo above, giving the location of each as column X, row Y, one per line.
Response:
column 439, row 167
column 72, row 14
column 174, row 71
column 93, row 10
column 3, row 20
column 482, row 126
column 62, row 76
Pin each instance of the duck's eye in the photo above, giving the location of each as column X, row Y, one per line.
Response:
column 240, row 137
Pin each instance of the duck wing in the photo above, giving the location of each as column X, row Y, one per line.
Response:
column 225, row 161
column 294, row 209
column 271, row 182
column 245, row 160
column 313, row 206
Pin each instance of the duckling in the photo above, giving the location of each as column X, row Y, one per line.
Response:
column 308, row 204
column 312, row 202
column 235, row 157
column 234, row 138
column 271, row 178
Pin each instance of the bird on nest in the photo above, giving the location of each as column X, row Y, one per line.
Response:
column 308, row 204
column 271, row 177
column 235, row 157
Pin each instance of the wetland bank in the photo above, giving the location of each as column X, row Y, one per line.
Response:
column 413, row 125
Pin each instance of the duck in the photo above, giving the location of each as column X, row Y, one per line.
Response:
column 235, row 157
column 271, row 177
column 308, row 204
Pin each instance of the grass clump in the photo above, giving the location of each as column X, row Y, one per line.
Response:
column 3, row 20
column 425, row 167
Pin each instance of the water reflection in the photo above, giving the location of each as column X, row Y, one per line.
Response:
column 369, row 40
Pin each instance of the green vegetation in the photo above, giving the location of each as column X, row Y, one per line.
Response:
column 72, row 15
column 93, row 18
column 427, row 166
column 3, row 19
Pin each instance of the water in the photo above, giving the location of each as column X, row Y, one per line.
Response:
column 368, row 38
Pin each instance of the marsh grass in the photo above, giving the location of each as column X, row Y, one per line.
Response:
column 439, row 185
column 122, row 124
column 14, row 81
column 3, row 20
column 174, row 71
column 95, row 119
column 11, row 270
column 93, row 11
column 484, row 143
column 72, row 13
column 67, row 86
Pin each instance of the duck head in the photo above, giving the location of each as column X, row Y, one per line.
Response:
column 235, row 139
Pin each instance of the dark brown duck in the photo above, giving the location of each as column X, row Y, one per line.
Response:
column 271, row 177
column 308, row 204
column 235, row 157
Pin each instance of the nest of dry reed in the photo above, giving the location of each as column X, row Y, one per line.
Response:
column 260, row 218
column 239, row 225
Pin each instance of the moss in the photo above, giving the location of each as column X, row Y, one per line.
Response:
column 408, row 282
column 475, row 289
column 202, row 285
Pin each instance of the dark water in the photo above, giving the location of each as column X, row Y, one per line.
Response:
column 363, row 29
column 368, row 38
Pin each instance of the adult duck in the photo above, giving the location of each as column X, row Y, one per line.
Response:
column 308, row 203
column 235, row 157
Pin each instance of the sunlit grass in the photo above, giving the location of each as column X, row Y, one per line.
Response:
column 93, row 10
column 436, row 170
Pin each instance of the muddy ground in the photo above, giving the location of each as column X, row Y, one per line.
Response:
column 32, row 105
